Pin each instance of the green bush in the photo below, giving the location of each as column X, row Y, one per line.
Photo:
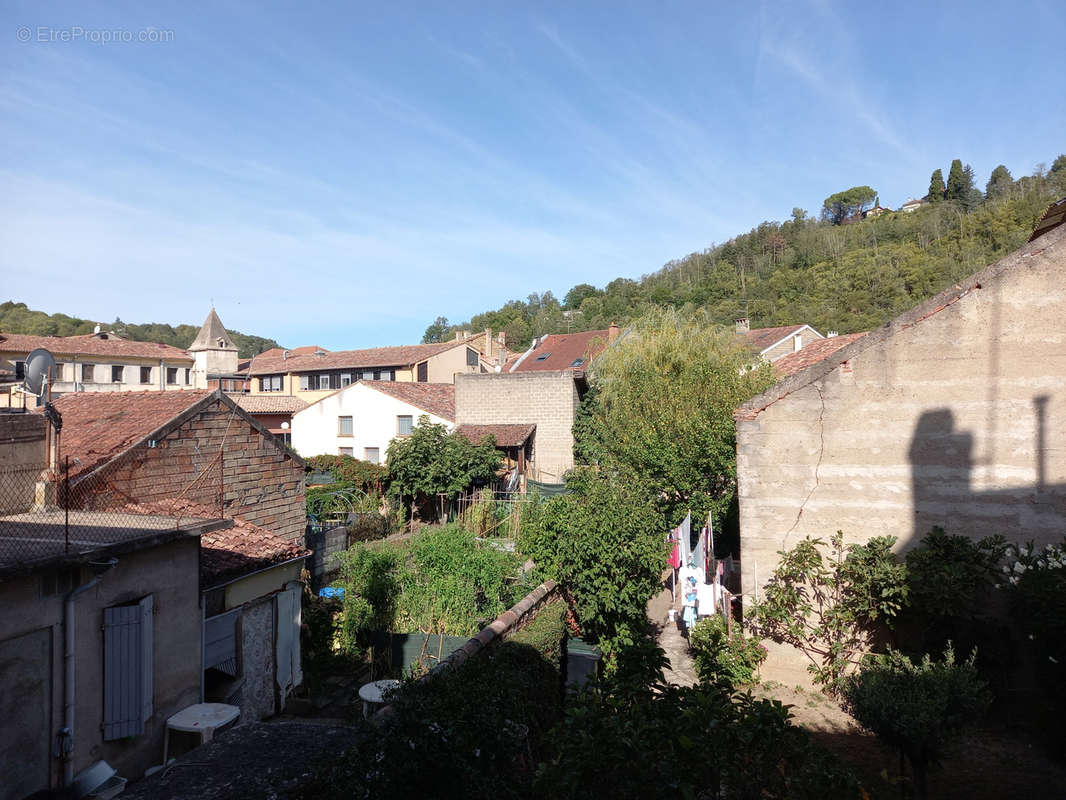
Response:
column 603, row 542
column 917, row 708
column 829, row 605
column 626, row 739
column 350, row 471
column 720, row 658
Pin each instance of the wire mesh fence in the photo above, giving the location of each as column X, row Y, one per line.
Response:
column 70, row 507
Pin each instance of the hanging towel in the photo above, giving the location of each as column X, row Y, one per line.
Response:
column 685, row 533
column 675, row 556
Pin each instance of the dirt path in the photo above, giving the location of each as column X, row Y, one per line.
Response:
column 681, row 671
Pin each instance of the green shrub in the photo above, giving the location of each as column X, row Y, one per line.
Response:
column 829, row 605
column 917, row 708
column 720, row 658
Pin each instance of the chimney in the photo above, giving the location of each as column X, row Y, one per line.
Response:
column 466, row 335
column 831, row 334
column 743, row 325
column 501, row 338
column 612, row 333
column 488, row 343
column 458, row 336
column 96, row 329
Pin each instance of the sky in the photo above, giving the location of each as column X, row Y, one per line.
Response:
column 341, row 174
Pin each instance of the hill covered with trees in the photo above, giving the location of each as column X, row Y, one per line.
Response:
column 17, row 318
column 838, row 271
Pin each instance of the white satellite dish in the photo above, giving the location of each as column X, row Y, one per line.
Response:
column 40, row 368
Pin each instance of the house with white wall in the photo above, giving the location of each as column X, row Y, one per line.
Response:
column 361, row 419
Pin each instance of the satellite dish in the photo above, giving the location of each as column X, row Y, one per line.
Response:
column 284, row 426
column 40, row 366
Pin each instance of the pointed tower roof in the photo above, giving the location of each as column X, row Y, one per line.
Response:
column 212, row 335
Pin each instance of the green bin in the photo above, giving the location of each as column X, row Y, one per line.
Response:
column 582, row 662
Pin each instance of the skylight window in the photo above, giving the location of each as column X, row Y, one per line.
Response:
column 577, row 362
column 543, row 356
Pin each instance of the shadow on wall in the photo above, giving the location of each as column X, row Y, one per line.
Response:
column 942, row 465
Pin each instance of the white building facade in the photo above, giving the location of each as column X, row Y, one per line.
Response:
column 363, row 418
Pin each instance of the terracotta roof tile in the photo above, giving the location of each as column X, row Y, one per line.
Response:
column 231, row 552
column 273, row 362
column 269, row 403
column 506, row 435
column 97, row 426
column 812, row 353
column 91, row 344
column 436, row 398
column 761, row 338
column 558, row 351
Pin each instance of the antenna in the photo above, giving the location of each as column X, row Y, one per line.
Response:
column 40, row 370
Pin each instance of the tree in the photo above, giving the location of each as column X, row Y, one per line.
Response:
column 433, row 465
column 842, row 205
column 1000, row 183
column 604, row 542
column 576, row 296
column 436, row 332
column 960, row 182
column 662, row 406
column 828, row 605
column 936, row 187
column 916, row 707
column 1058, row 165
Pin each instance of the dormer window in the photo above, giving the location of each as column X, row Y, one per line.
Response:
column 221, row 343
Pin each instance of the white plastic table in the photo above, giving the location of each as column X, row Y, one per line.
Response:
column 374, row 692
column 202, row 718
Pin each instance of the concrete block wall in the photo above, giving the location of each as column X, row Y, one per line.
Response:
column 953, row 415
column 547, row 399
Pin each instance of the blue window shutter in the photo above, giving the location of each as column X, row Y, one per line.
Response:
column 127, row 669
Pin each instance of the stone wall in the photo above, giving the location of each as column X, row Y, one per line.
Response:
column 548, row 399
column 951, row 415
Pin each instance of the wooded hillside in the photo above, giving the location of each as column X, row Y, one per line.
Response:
column 848, row 275
column 17, row 318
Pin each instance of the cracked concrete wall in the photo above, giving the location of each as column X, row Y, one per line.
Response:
column 952, row 415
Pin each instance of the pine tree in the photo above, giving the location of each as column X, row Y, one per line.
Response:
column 999, row 183
column 936, row 187
column 958, row 187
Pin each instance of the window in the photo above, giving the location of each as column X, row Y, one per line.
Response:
column 323, row 381
column 59, row 372
column 172, row 376
column 305, row 382
column 372, row 454
column 271, row 383
column 346, row 379
column 146, row 374
column 20, row 370
column 187, row 371
column 344, row 426
column 543, row 356
column 577, row 362
column 423, row 372
column 388, row 375
column 404, row 425
column 368, row 376
column 127, row 669
column 346, row 451
column 116, row 374
column 86, row 373
column 471, row 357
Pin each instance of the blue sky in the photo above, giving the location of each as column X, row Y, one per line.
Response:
column 341, row 174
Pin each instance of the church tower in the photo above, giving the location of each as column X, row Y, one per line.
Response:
column 214, row 352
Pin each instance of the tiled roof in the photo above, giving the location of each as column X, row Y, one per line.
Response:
column 273, row 362
column 812, row 353
column 1052, row 218
column 761, row 338
column 559, row 351
column 436, row 398
column 231, row 552
column 506, row 435
column 97, row 426
column 269, row 403
column 91, row 344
